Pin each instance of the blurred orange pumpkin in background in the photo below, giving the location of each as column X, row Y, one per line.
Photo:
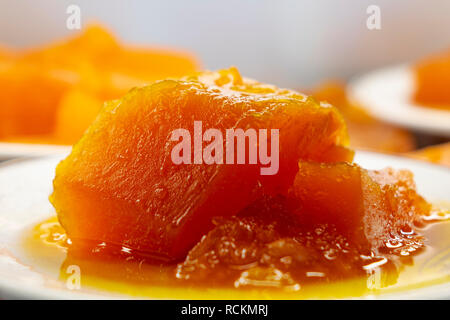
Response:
column 439, row 154
column 52, row 94
column 365, row 131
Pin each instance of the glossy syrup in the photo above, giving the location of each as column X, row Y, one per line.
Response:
column 122, row 272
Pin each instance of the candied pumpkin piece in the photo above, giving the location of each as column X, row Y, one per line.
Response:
column 432, row 76
column 119, row 184
column 368, row 207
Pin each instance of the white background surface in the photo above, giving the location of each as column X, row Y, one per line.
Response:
column 293, row 43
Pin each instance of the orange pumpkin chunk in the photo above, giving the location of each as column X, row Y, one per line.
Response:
column 77, row 110
column 120, row 185
column 368, row 207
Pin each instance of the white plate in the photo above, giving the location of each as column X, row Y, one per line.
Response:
column 386, row 94
column 16, row 150
column 25, row 185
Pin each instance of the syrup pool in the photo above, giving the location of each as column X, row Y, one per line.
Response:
column 48, row 249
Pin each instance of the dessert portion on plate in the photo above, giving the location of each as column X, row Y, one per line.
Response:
column 52, row 94
column 124, row 165
column 234, row 183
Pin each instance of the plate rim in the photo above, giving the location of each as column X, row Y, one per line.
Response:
column 12, row 290
column 356, row 96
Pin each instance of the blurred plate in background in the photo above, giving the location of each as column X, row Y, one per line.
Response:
column 386, row 94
